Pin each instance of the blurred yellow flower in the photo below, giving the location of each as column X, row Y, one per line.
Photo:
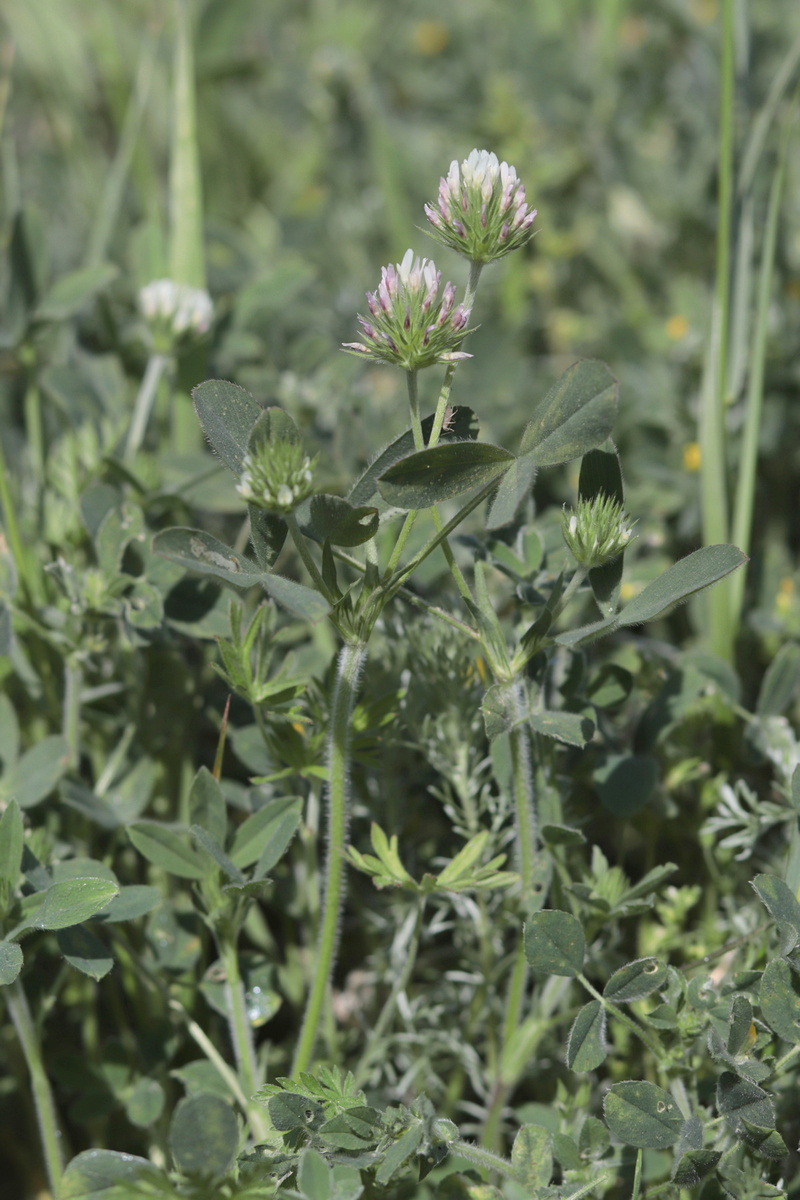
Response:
column 783, row 600
column 430, row 37
column 677, row 327
column 691, row 457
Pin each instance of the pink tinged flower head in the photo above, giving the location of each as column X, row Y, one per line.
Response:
column 491, row 219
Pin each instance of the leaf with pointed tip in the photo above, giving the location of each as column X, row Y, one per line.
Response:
column 576, row 415
column 571, row 728
column 586, row 1044
column 84, row 951
column 635, row 980
column 197, row 551
column 687, row 577
column 227, row 414
column 429, row 476
column 165, row 848
column 10, row 962
column 267, row 533
column 463, row 426
column 72, row 901
column 514, row 487
column 783, row 907
column 34, row 776
column 739, row 1100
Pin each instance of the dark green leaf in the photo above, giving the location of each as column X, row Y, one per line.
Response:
column 781, row 682
column 642, row 1115
column 291, row 1111
column 195, row 550
column 766, row 1142
column 227, row 414
column 217, row 854
column 532, row 1158
column 267, row 533
column 329, row 518
column 601, row 474
column 35, row 775
column 684, row 579
column 586, row 1045
column 500, row 712
column 514, row 487
column 625, row 783
column 73, row 901
column 739, row 1100
column 741, row 1025
column 302, row 601
column 207, row 805
column 10, row 962
column 566, row 1152
column 203, row 1135
column 463, row 426
column 594, row 1139
column 779, row 997
column 610, row 686
column 571, row 728
column 84, row 951
column 353, row 1129
column 71, row 292
column 694, row 1166
column 11, row 836
column 554, row 943
column 635, row 980
column 165, row 848
column 427, row 477
column 399, row 1153
column 266, row 833
column 576, row 415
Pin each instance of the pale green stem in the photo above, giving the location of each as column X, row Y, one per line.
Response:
column 444, row 395
column 143, row 406
column 713, row 463
column 228, row 1076
column 373, row 1046
column 351, row 661
column 412, row 383
column 52, row 1142
column 305, row 554
column 73, row 682
column 748, row 458
column 241, row 1033
column 33, row 425
column 483, row 1158
column 637, row 1177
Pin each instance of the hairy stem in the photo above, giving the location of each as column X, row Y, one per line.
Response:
column 52, row 1142
column 351, row 661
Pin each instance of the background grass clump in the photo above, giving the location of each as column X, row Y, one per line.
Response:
column 564, row 958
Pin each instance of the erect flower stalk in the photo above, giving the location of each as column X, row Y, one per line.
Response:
column 350, row 665
column 49, row 1130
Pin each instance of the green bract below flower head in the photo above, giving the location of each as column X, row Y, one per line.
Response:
column 482, row 212
column 410, row 326
column 596, row 531
column 279, row 477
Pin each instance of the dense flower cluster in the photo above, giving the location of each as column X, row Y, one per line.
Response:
column 175, row 308
column 482, row 212
column 410, row 325
column 597, row 531
column 279, row 477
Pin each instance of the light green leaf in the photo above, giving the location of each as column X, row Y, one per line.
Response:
column 532, row 1157
column 133, row 901
column 145, row 1103
column 94, row 1172
column 267, row 832
column 643, row 1115
column 781, row 682
column 73, row 901
column 165, row 848
column 71, row 292
column 586, row 1045
column 34, row 776
column 576, row 415
column 463, row 426
column 217, row 854
column 515, row 486
column 11, row 836
column 302, row 601
column 554, row 943
column 10, row 962
column 429, row 476
column 313, row 1175
column 571, row 728
column 207, row 805
column 196, row 550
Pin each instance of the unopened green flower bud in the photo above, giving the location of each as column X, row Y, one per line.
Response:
column 278, row 477
column 410, row 325
column 596, row 531
column 481, row 212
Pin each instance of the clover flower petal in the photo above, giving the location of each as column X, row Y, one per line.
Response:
column 482, row 210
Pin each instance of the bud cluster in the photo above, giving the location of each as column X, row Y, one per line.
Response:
column 174, row 309
column 278, row 476
column 410, row 325
column 482, row 212
column 597, row 531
